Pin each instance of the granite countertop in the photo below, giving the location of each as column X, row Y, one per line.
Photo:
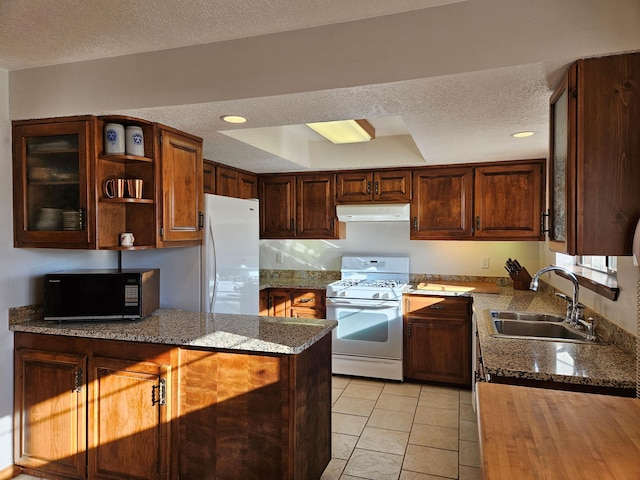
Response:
column 190, row 329
column 576, row 363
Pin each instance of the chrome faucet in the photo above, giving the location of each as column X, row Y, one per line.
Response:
column 573, row 312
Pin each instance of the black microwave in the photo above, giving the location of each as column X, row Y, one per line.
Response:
column 101, row 294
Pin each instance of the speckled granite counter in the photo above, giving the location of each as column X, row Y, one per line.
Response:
column 575, row 363
column 182, row 328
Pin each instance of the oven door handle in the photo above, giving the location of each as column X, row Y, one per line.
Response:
column 365, row 303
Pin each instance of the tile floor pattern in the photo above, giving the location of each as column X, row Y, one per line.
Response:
column 399, row 431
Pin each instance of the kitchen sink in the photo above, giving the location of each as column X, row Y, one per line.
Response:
column 534, row 326
column 525, row 316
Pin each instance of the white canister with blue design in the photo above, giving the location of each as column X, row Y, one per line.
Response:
column 113, row 139
column 134, row 141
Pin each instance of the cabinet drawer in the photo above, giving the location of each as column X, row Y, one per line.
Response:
column 307, row 298
column 436, row 305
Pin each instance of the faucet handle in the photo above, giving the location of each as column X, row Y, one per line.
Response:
column 564, row 297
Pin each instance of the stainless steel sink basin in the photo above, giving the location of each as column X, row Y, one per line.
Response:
column 525, row 316
column 533, row 326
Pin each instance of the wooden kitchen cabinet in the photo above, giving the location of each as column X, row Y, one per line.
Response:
column 50, row 412
column 233, row 182
column 298, row 206
column 594, row 172
column 208, row 176
column 499, row 201
column 94, row 409
column 378, row 186
column 298, row 303
column 53, row 174
column 437, row 339
column 60, row 167
column 180, row 194
column 442, row 205
column 509, row 200
column 128, row 419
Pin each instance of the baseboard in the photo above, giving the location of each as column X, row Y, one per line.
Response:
column 10, row 472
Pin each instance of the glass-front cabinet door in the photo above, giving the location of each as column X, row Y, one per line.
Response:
column 51, row 188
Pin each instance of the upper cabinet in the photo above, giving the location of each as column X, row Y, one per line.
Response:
column 500, row 201
column 298, row 206
column 594, row 169
column 229, row 181
column 377, row 186
column 74, row 189
column 53, row 181
column 508, row 200
column 180, row 192
column 442, row 203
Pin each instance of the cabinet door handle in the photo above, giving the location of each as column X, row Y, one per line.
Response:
column 77, row 380
column 478, row 222
column 200, row 220
column 159, row 393
column 544, row 218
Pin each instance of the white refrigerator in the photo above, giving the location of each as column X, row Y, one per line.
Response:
column 229, row 264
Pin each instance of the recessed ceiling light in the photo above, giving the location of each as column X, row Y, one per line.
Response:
column 522, row 134
column 233, row 119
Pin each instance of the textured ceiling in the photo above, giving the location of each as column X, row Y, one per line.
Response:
column 487, row 70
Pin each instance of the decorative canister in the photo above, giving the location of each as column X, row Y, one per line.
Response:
column 114, row 139
column 134, row 141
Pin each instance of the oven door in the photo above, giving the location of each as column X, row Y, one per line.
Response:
column 371, row 328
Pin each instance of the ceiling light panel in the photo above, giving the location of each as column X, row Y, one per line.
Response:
column 344, row 131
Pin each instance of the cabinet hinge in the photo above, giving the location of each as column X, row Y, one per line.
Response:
column 159, row 393
column 409, row 330
column 161, row 232
column 333, row 224
column 160, row 139
column 544, row 226
column 368, row 188
column 478, row 222
column 77, row 380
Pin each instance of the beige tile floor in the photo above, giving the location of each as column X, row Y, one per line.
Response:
column 389, row 430
column 399, row 431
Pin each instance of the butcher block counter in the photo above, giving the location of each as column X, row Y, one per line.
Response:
column 176, row 395
column 533, row 433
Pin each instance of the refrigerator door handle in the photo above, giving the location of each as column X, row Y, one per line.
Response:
column 213, row 271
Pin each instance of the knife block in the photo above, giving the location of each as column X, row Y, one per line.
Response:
column 521, row 280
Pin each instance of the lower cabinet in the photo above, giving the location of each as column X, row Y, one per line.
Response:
column 100, row 410
column 50, row 412
column 115, row 410
column 437, row 339
column 298, row 303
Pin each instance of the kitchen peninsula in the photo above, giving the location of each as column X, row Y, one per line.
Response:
column 180, row 394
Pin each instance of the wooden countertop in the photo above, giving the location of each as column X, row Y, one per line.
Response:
column 534, row 433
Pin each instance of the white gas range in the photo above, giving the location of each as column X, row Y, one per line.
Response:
column 367, row 303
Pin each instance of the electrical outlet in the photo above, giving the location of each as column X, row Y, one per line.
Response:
column 279, row 257
column 485, row 262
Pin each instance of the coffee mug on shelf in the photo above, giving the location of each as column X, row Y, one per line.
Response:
column 114, row 187
column 126, row 239
column 134, row 141
column 114, row 143
column 134, row 188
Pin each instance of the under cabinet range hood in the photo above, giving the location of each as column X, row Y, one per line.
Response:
column 373, row 212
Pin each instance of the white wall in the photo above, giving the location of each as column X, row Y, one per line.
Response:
column 426, row 256
column 21, row 273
